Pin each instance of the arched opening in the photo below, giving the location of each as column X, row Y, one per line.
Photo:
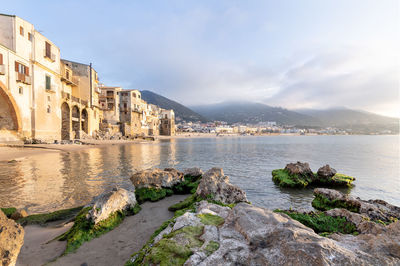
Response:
column 76, row 122
column 9, row 113
column 65, row 122
column 84, row 121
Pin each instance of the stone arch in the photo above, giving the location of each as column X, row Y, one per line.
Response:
column 76, row 118
column 10, row 116
column 65, row 122
column 85, row 121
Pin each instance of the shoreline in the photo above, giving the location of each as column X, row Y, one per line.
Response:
column 18, row 152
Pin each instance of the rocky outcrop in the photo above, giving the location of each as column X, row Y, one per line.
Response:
column 248, row 235
column 104, row 205
column 215, row 185
column 11, row 240
column 326, row 172
column 375, row 210
column 157, row 178
column 19, row 214
column 299, row 168
column 300, row 175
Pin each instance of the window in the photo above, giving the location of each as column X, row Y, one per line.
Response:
column 21, row 31
column 67, row 74
column 30, row 37
column 48, row 109
column 1, row 59
column 125, row 105
column 21, row 90
column 48, row 50
column 48, row 98
column 48, row 82
column 20, row 68
column 134, row 95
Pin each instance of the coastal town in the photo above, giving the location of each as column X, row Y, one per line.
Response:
column 44, row 98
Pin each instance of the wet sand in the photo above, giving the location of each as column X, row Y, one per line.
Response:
column 112, row 248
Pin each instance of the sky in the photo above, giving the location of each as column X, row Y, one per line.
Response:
column 294, row 54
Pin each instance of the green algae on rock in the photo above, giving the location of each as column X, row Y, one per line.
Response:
column 8, row 211
column 85, row 230
column 44, row 218
column 321, row 223
column 299, row 175
column 323, row 203
column 211, row 219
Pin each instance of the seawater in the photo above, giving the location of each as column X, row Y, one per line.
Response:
column 53, row 181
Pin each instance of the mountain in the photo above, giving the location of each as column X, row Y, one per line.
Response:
column 357, row 120
column 181, row 111
column 252, row 113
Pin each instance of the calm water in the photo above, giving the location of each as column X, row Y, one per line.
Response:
column 60, row 180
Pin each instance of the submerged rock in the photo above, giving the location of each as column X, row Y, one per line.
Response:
column 375, row 210
column 215, row 185
column 11, row 240
column 157, row 178
column 299, row 175
column 104, row 205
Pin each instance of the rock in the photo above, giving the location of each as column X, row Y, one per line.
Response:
column 362, row 222
column 326, row 172
column 216, row 185
column 188, row 219
column 11, row 240
column 104, row 205
column 193, row 172
column 299, row 168
column 157, row 178
column 375, row 210
column 19, row 214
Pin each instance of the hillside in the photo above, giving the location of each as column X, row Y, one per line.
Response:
column 252, row 113
column 181, row 111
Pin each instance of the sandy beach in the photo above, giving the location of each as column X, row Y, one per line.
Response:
column 112, row 248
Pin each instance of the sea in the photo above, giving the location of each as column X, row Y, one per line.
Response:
column 52, row 181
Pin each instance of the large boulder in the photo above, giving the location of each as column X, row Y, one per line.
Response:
column 157, row 178
column 299, row 168
column 11, row 240
column 214, row 184
column 326, row 172
column 107, row 203
column 375, row 210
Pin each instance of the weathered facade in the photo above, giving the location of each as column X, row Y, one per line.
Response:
column 47, row 98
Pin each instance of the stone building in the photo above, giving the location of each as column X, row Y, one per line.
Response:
column 80, row 95
column 167, row 122
column 30, row 85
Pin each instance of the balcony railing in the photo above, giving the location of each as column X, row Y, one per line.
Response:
column 85, row 103
column 74, row 81
column 50, row 56
column 20, row 77
column 2, row 69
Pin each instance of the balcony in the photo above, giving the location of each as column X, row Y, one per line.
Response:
column 2, row 69
column 85, row 103
column 50, row 56
column 73, row 81
column 20, row 77
column 52, row 88
column 75, row 99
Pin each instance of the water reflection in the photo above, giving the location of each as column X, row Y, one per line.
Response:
column 61, row 180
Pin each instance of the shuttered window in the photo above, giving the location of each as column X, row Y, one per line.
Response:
column 20, row 68
column 48, row 50
column 48, row 82
column 21, row 31
column 1, row 59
